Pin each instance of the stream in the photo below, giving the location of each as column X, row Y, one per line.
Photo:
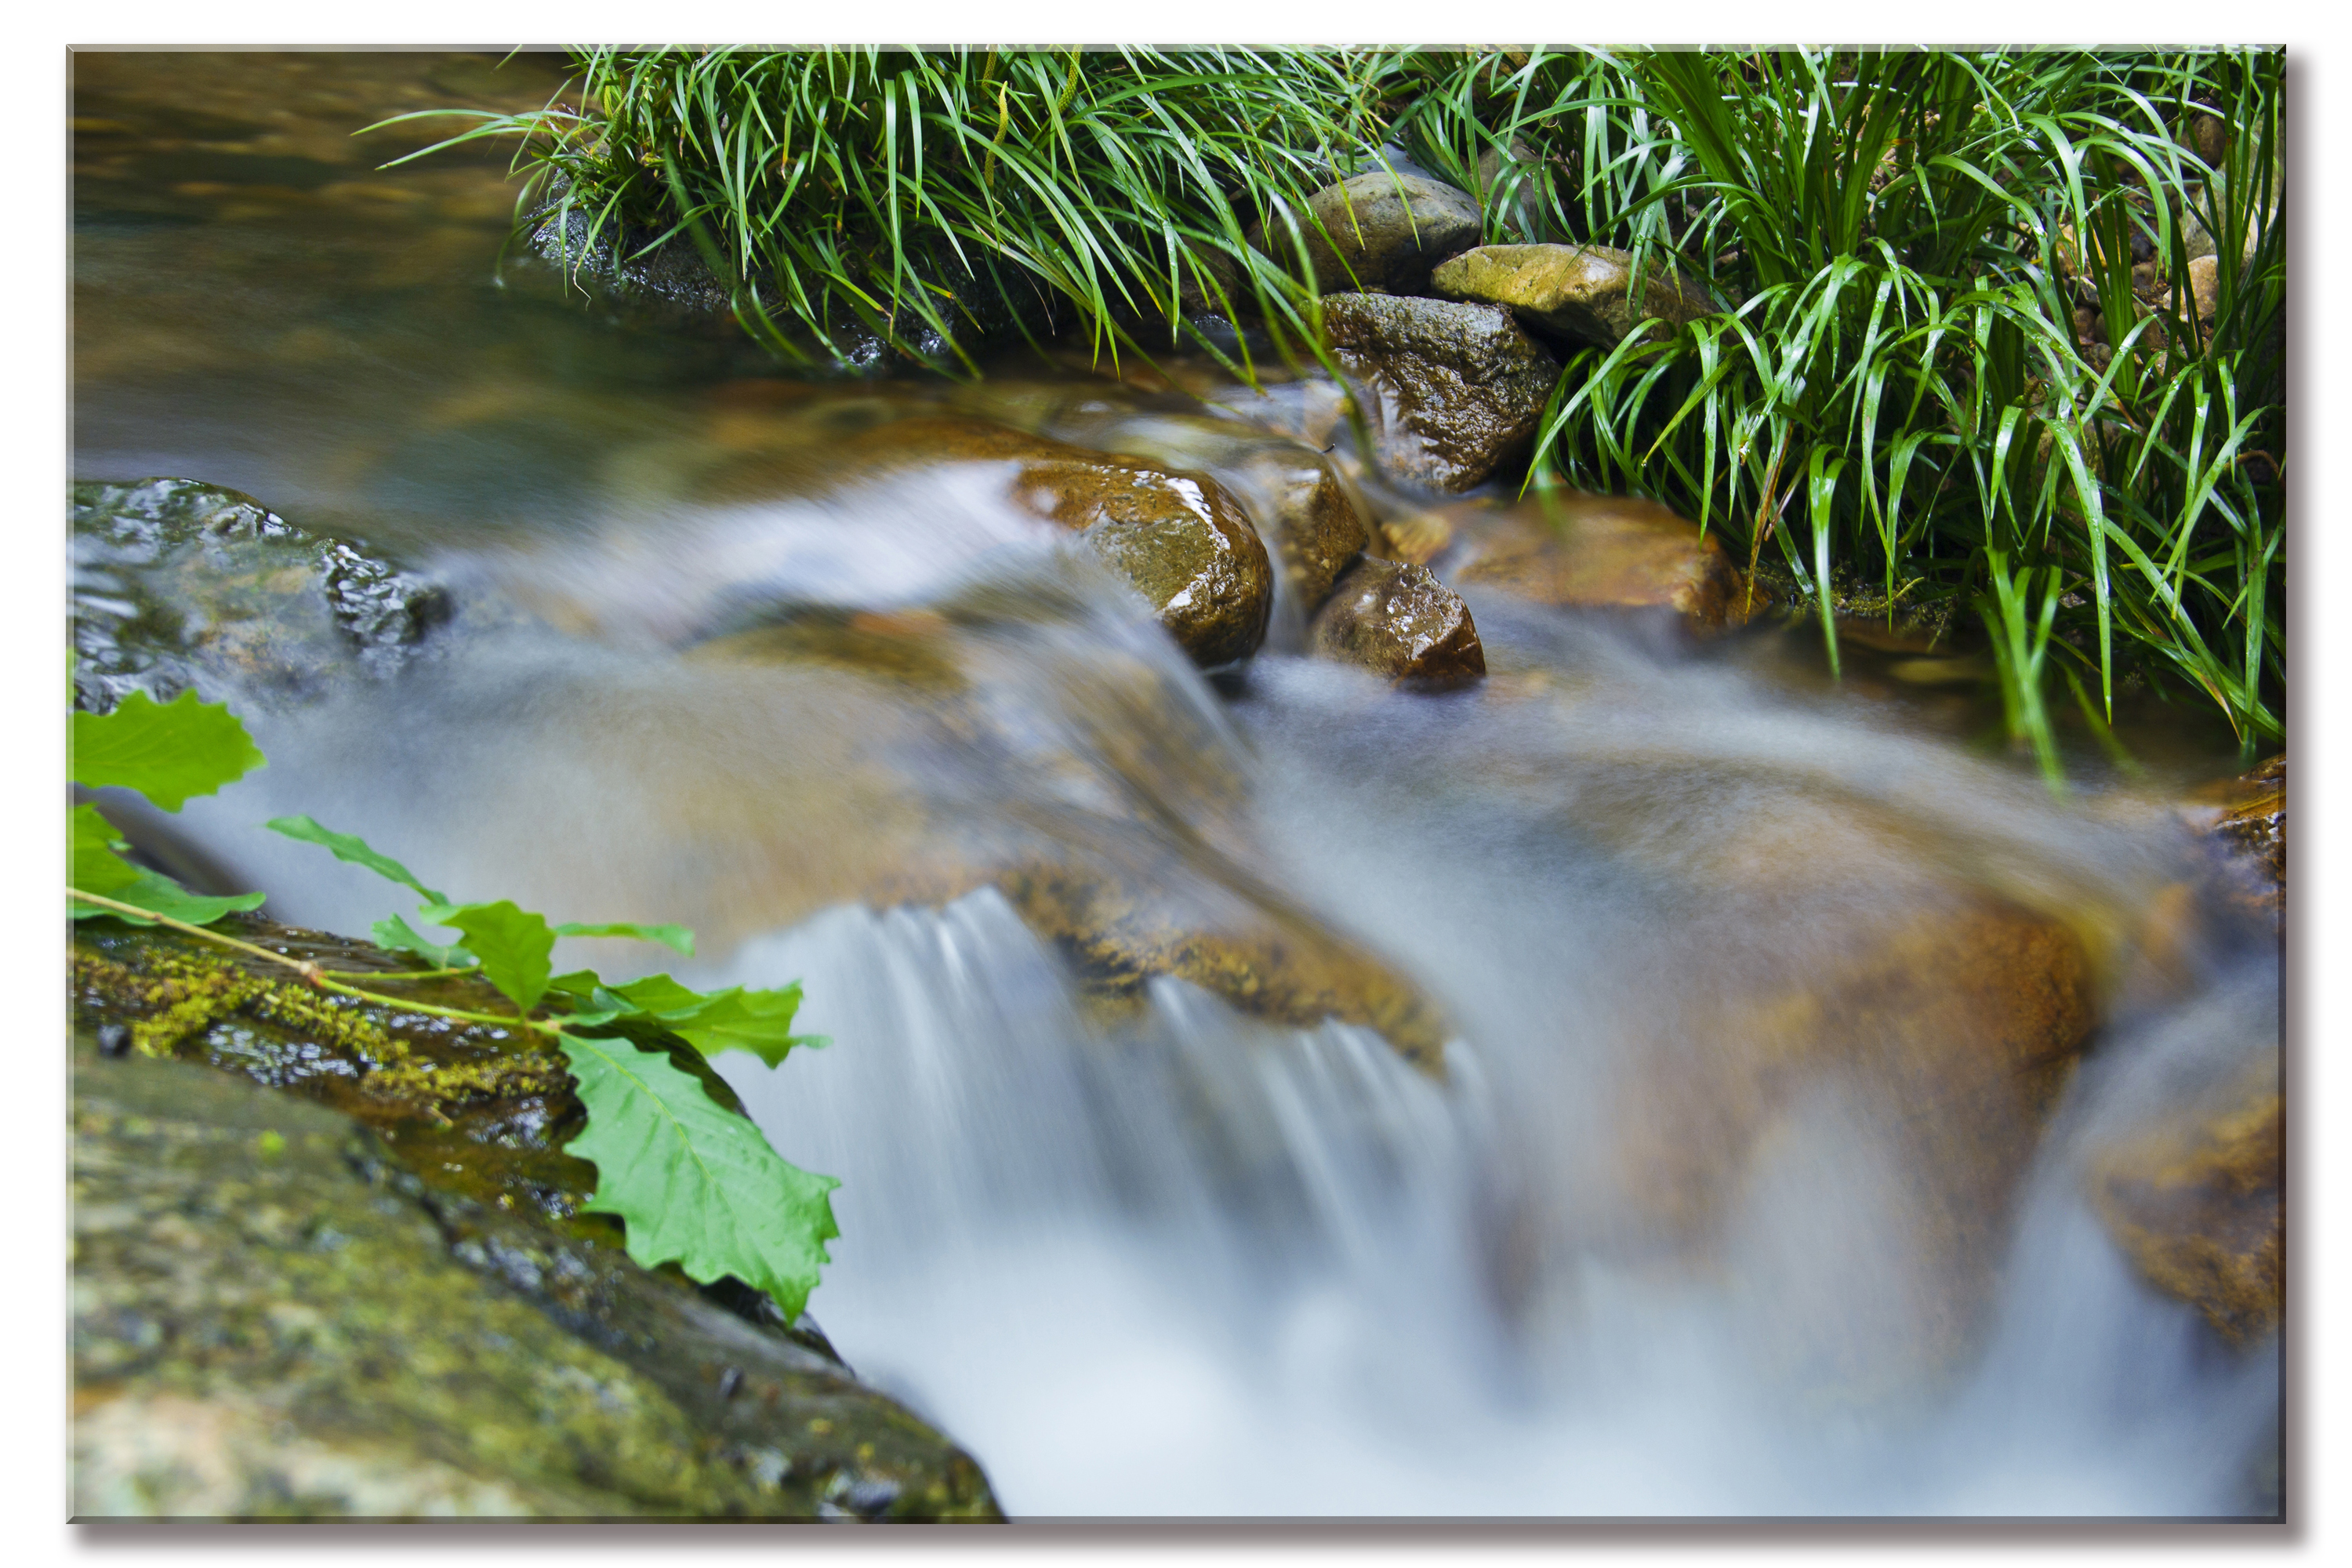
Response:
column 1705, row 1199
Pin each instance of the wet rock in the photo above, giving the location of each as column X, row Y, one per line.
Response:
column 1312, row 515
column 327, row 1262
column 1590, row 552
column 1582, row 293
column 1119, row 928
column 2194, row 1200
column 180, row 584
column 1124, row 837
column 2244, row 823
column 1177, row 538
column 1174, row 534
column 1399, row 621
column 1460, row 387
column 1947, row 1031
column 1379, row 230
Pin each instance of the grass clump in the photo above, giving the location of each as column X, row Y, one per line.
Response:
column 931, row 196
column 1962, row 355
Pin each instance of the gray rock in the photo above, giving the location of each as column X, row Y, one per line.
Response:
column 1379, row 230
column 1399, row 621
column 285, row 1303
column 178, row 584
column 1579, row 292
column 1460, row 387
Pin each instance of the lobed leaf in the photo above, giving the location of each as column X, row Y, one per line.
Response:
column 168, row 752
column 96, row 867
column 511, row 943
column 694, row 1184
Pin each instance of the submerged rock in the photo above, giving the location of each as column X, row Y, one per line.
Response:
column 180, row 584
column 1119, row 927
column 1399, row 621
column 1583, row 292
column 1460, row 387
column 2195, row 1200
column 1590, row 552
column 1384, row 231
column 1949, row 1031
column 331, row 1262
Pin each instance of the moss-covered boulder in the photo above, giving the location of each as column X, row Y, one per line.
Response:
column 180, row 584
column 1584, row 293
column 329, row 1258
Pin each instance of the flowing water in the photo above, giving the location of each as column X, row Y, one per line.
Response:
column 1708, row 1204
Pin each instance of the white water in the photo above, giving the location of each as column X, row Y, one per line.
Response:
column 1197, row 1264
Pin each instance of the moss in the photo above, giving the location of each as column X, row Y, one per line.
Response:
column 464, row 1340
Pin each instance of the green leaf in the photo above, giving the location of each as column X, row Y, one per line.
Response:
column 736, row 1019
column 97, row 868
column 351, row 847
column 167, row 752
column 159, row 895
column 674, row 936
column 759, row 1022
column 696, row 1183
column 513, row 944
column 576, row 982
column 661, row 996
column 399, row 935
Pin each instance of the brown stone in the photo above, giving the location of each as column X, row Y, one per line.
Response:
column 1174, row 533
column 1460, row 387
column 2195, row 1202
column 1954, row 1028
column 1177, row 538
column 1399, row 621
column 1245, row 947
column 1580, row 291
column 1596, row 552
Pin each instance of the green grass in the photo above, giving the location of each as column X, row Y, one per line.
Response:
column 931, row 195
column 1899, row 394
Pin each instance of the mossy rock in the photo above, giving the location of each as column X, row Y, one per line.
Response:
column 330, row 1259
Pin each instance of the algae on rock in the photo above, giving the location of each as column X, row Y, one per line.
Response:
column 387, row 1301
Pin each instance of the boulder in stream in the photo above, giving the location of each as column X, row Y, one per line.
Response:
column 1399, row 621
column 1460, row 387
column 178, row 583
column 2194, row 1199
column 328, row 1261
column 1175, row 535
column 1585, row 552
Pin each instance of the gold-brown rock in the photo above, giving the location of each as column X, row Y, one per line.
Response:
column 1175, row 535
column 1581, row 291
column 1950, row 1030
column 2195, row 1202
column 1594, row 553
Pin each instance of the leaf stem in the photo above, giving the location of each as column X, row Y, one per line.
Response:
column 311, row 972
